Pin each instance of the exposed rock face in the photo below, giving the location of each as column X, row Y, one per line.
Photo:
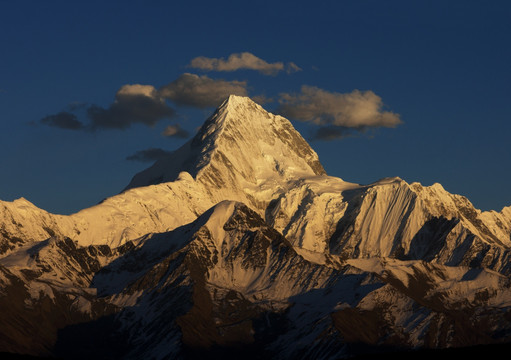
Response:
column 239, row 243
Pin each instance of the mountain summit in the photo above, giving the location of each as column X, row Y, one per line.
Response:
column 241, row 144
column 238, row 244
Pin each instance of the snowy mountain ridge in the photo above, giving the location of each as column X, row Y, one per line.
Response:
column 240, row 233
column 254, row 163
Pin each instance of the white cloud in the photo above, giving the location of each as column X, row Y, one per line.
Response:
column 138, row 89
column 201, row 91
column 352, row 110
column 244, row 60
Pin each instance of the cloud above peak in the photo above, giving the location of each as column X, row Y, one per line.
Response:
column 138, row 90
column 337, row 113
column 201, row 91
column 240, row 61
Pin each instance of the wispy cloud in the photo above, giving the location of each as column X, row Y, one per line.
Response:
column 175, row 131
column 336, row 111
column 291, row 67
column 148, row 155
column 201, row 91
column 63, row 120
column 239, row 61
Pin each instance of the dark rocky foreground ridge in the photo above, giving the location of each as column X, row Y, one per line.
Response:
column 239, row 245
column 475, row 351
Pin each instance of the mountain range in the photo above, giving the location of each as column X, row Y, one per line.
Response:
column 238, row 243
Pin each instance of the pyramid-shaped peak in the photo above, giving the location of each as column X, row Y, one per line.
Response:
column 241, row 115
column 245, row 130
column 240, row 143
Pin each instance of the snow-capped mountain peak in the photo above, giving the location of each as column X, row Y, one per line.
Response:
column 240, row 144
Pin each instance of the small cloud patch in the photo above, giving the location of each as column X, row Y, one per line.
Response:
column 63, row 120
column 240, row 61
column 201, row 91
column 175, row 131
column 148, row 155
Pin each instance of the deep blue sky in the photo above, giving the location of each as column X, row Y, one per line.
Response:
column 443, row 66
